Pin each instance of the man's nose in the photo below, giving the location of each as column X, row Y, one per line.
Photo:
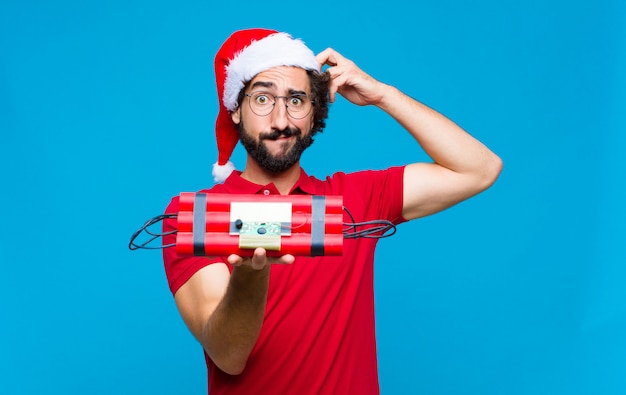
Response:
column 280, row 117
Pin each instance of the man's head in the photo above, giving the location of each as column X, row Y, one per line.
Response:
column 279, row 74
column 279, row 111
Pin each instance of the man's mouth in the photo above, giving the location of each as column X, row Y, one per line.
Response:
column 279, row 134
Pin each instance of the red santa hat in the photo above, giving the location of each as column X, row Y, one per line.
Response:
column 243, row 55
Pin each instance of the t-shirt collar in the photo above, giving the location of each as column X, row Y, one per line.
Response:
column 237, row 184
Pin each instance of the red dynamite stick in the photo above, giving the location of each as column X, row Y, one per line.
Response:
column 220, row 202
column 222, row 244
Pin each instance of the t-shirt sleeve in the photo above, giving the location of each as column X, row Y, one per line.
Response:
column 377, row 193
column 179, row 269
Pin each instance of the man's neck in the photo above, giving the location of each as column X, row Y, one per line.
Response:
column 283, row 181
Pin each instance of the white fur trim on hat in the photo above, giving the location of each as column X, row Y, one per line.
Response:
column 221, row 172
column 278, row 49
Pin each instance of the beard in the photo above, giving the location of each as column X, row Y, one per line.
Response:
column 285, row 159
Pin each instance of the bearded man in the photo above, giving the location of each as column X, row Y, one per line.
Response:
column 305, row 325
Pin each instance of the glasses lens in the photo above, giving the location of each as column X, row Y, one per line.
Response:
column 298, row 106
column 261, row 103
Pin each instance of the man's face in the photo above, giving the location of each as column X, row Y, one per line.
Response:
column 277, row 140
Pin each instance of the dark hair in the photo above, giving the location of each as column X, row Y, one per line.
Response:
column 319, row 96
column 319, row 93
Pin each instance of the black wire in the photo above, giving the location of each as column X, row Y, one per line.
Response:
column 376, row 229
column 132, row 245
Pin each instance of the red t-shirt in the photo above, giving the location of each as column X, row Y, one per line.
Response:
column 318, row 335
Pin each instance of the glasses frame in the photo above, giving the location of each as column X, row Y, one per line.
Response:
column 249, row 95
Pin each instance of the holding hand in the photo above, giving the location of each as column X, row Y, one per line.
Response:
column 259, row 260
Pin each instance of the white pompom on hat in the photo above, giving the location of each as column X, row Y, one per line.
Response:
column 243, row 55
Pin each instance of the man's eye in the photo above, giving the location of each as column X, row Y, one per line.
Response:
column 262, row 99
column 295, row 101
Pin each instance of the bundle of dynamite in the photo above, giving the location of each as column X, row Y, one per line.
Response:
column 212, row 224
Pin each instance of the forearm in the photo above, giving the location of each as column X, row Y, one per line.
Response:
column 444, row 141
column 231, row 332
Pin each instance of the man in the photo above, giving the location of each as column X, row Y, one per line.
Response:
column 305, row 325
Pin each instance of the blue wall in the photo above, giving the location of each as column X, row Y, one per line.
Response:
column 107, row 110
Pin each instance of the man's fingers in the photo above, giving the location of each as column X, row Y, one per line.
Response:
column 322, row 57
column 234, row 260
column 259, row 259
column 329, row 57
column 285, row 259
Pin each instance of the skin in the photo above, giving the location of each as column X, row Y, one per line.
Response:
column 225, row 311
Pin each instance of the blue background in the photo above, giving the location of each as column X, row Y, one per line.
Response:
column 107, row 110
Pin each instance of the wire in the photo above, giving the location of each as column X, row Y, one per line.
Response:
column 376, row 229
column 132, row 245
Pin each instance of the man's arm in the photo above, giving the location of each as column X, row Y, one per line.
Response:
column 225, row 311
column 462, row 166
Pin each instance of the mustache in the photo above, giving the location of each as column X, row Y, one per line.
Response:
column 276, row 134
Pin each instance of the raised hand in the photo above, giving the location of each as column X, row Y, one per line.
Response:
column 350, row 81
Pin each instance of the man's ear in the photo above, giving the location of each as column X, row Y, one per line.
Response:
column 236, row 116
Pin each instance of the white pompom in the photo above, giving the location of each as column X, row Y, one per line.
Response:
column 221, row 172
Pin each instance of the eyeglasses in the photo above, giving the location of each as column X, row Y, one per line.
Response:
column 263, row 103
